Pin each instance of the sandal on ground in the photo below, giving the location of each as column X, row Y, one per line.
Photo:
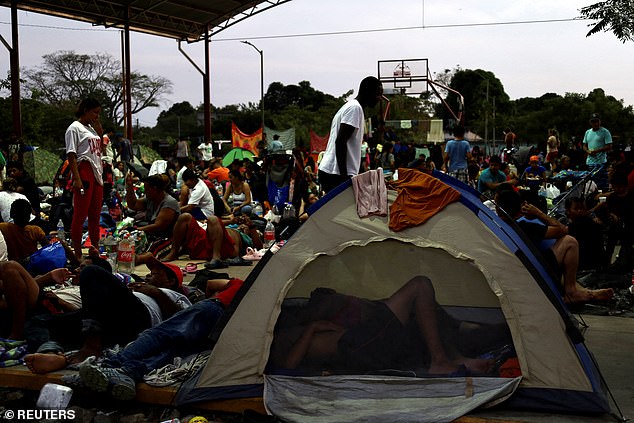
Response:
column 237, row 261
column 253, row 254
column 215, row 264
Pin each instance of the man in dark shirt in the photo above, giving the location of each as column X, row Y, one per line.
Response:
column 26, row 184
column 552, row 239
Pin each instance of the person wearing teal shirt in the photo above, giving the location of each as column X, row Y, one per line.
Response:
column 596, row 143
column 492, row 177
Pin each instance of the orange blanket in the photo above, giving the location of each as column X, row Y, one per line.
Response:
column 420, row 196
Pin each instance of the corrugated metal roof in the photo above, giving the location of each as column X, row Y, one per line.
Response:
column 179, row 19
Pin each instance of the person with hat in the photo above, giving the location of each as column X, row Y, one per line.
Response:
column 597, row 141
column 185, row 333
column 114, row 312
column 535, row 173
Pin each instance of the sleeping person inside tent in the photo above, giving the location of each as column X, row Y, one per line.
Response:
column 409, row 331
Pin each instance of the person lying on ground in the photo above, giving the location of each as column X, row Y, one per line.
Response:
column 115, row 313
column 161, row 209
column 185, row 333
column 21, row 238
column 215, row 243
column 373, row 335
column 19, row 293
column 551, row 237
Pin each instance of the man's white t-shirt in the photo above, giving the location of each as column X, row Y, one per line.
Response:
column 206, row 151
column 351, row 114
column 201, row 197
column 84, row 141
column 6, row 199
column 153, row 308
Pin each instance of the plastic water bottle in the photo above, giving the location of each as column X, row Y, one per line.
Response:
column 61, row 233
column 269, row 234
column 110, row 245
column 257, row 210
column 125, row 255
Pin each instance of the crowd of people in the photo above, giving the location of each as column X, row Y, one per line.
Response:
column 199, row 208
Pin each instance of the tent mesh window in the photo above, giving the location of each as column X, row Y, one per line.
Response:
column 385, row 303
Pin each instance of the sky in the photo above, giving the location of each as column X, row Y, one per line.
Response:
column 334, row 44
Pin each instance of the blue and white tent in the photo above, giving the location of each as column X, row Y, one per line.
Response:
column 481, row 270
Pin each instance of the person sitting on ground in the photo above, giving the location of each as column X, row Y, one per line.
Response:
column 218, row 172
column 560, row 250
column 214, row 243
column 617, row 215
column 180, row 182
column 239, row 192
column 21, row 238
column 7, row 196
column 373, row 335
column 197, row 201
column 185, row 333
column 587, row 232
column 26, row 184
column 534, row 174
column 492, row 177
column 161, row 209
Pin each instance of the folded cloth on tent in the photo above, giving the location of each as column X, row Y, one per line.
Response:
column 370, row 193
column 420, row 196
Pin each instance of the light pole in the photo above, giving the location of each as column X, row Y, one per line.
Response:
column 261, row 81
column 486, row 114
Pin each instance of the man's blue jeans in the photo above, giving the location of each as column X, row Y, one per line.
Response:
column 186, row 332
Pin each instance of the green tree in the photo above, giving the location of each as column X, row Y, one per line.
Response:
column 616, row 16
column 66, row 77
column 179, row 120
column 481, row 90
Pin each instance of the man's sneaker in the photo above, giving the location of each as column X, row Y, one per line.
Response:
column 102, row 379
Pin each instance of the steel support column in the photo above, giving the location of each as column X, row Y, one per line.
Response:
column 14, row 55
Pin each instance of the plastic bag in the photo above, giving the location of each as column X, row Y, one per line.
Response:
column 549, row 191
column 46, row 259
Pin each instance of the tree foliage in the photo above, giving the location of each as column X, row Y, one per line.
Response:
column 616, row 16
column 66, row 77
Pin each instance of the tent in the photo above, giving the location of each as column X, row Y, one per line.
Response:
column 41, row 165
column 481, row 269
column 148, row 155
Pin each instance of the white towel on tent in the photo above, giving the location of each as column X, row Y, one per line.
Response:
column 158, row 167
column 370, row 193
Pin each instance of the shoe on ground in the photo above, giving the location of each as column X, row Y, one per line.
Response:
column 102, row 379
column 237, row 261
column 215, row 264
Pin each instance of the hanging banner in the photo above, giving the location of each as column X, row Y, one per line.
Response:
column 246, row 141
column 286, row 137
column 317, row 143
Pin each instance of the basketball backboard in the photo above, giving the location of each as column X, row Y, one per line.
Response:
column 404, row 76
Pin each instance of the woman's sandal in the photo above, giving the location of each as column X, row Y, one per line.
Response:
column 253, row 254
